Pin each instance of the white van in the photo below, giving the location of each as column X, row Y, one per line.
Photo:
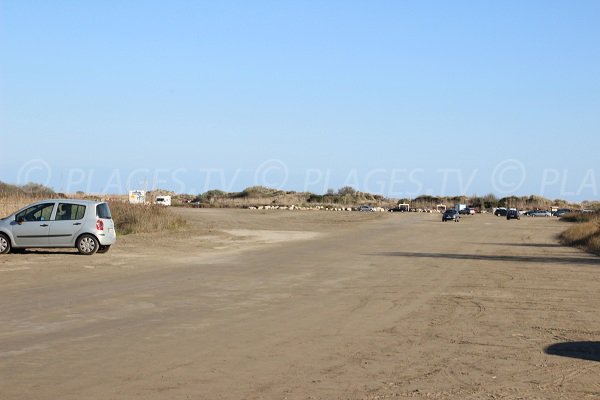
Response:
column 163, row 201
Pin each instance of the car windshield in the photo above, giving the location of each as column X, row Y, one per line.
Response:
column 102, row 211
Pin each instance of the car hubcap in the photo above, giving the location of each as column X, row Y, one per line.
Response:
column 3, row 244
column 87, row 245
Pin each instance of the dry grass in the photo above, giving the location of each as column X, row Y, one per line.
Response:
column 579, row 217
column 11, row 203
column 593, row 244
column 137, row 218
column 585, row 235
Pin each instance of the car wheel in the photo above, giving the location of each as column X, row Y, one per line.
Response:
column 87, row 245
column 103, row 249
column 4, row 244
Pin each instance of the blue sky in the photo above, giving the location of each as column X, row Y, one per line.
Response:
column 395, row 97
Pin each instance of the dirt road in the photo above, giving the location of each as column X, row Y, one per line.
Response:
column 307, row 305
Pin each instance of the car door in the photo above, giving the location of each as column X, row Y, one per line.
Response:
column 66, row 224
column 31, row 226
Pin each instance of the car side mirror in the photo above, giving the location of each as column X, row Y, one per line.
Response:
column 20, row 220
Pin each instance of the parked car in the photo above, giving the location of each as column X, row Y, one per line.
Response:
column 83, row 224
column 500, row 212
column 562, row 211
column 467, row 211
column 513, row 214
column 538, row 213
column 365, row 208
column 397, row 209
column 451, row 215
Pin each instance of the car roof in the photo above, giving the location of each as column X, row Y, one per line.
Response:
column 71, row 201
column 90, row 203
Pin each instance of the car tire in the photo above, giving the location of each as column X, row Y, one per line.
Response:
column 103, row 249
column 5, row 245
column 87, row 245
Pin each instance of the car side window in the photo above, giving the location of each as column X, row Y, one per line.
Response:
column 40, row 212
column 26, row 215
column 46, row 212
column 69, row 212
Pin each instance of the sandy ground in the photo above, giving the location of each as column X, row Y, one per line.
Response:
column 307, row 305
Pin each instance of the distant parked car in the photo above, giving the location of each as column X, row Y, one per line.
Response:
column 513, row 214
column 500, row 212
column 84, row 224
column 451, row 215
column 397, row 209
column 467, row 211
column 562, row 211
column 365, row 208
column 538, row 213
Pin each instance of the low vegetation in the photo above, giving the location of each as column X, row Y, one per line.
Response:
column 260, row 195
column 10, row 204
column 28, row 190
column 14, row 197
column 350, row 197
column 579, row 217
column 137, row 218
column 584, row 234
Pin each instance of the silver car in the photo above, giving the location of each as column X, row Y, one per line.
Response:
column 84, row 224
column 539, row 213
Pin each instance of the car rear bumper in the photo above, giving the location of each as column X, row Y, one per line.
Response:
column 108, row 237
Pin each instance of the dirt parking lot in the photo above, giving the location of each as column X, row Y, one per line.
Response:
column 307, row 305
